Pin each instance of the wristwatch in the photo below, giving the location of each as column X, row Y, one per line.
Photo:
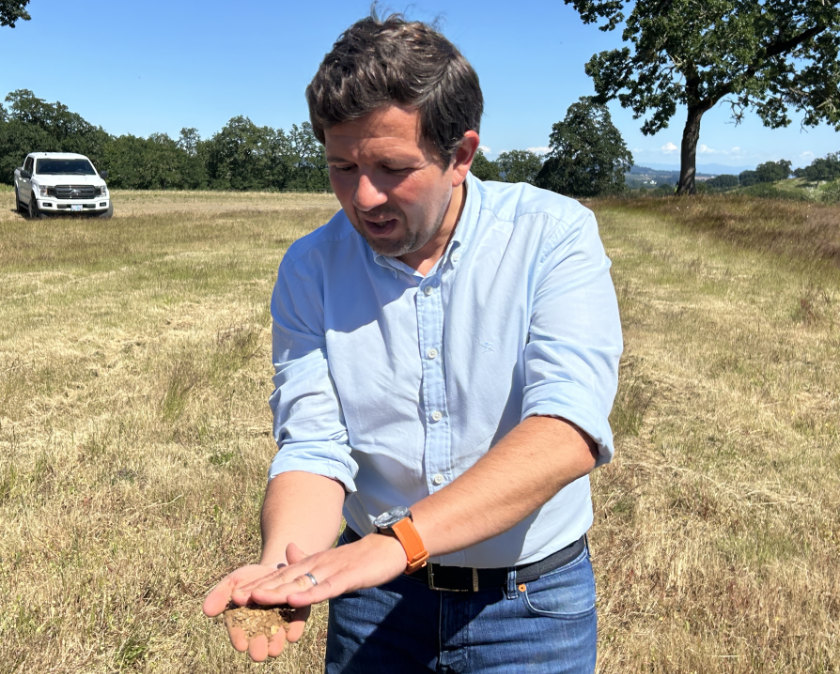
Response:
column 397, row 522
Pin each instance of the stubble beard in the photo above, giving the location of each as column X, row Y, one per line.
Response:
column 411, row 240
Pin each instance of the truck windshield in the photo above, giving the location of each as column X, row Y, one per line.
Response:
column 78, row 167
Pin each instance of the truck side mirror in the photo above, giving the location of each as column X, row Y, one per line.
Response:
column 103, row 175
column 26, row 175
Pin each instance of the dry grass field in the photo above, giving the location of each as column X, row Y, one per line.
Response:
column 134, row 433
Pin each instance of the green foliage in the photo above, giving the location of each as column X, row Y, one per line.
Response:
column 16, row 141
column 747, row 178
column 157, row 162
column 823, row 168
column 588, row 156
column 519, row 166
column 830, row 194
column 771, row 171
column 484, row 169
column 242, row 156
column 772, row 57
column 12, row 11
column 766, row 190
column 305, row 161
column 68, row 131
column 722, row 182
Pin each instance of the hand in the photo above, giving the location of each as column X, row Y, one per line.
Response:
column 371, row 561
column 259, row 647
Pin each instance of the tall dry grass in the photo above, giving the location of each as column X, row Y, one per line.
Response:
column 134, row 430
column 718, row 525
column 134, row 434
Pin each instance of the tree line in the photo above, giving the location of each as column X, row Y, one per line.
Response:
column 242, row 156
column 587, row 156
column 822, row 169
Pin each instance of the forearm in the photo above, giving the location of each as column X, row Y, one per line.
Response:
column 301, row 508
column 518, row 475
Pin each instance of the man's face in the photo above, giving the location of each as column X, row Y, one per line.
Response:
column 393, row 186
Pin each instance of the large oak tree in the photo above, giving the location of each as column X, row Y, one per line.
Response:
column 772, row 56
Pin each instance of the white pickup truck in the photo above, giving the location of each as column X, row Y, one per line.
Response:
column 61, row 183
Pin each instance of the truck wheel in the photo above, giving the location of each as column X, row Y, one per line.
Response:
column 18, row 205
column 34, row 211
column 110, row 212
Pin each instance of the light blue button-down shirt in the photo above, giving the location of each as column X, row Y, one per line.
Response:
column 395, row 384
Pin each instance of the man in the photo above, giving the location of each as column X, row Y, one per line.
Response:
column 442, row 344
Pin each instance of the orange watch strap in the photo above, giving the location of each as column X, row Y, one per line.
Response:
column 415, row 552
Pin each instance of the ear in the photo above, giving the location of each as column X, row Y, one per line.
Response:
column 463, row 157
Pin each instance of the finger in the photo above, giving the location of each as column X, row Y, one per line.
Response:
column 296, row 626
column 310, row 594
column 277, row 643
column 238, row 639
column 275, row 591
column 272, row 576
column 273, row 583
column 305, row 582
column 217, row 600
column 258, row 648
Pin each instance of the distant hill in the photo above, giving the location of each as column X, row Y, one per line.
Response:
column 646, row 176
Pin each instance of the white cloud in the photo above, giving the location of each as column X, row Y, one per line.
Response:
column 669, row 148
column 484, row 149
column 539, row 150
column 705, row 149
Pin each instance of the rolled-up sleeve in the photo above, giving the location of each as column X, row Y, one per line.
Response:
column 309, row 427
column 574, row 342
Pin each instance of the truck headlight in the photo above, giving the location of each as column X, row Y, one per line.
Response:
column 44, row 190
column 103, row 191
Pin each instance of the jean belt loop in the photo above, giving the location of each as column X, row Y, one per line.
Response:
column 511, row 587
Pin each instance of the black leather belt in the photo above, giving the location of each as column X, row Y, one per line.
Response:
column 466, row 579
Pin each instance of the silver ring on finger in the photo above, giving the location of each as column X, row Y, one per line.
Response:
column 311, row 578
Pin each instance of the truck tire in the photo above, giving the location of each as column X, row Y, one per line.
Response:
column 109, row 213
column 34, row 211
column 18, row 205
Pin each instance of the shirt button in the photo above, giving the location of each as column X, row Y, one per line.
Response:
column 438, row 479
column 437, row 416
column 456, row 257
column 428, row 290
column 432, row 353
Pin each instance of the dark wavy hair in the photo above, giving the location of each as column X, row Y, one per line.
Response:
column 393, row 61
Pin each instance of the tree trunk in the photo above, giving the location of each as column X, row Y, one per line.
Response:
column 688, row 151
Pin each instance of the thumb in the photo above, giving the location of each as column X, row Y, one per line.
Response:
column 294, row 554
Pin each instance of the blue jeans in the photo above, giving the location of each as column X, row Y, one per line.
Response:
column 546, row 627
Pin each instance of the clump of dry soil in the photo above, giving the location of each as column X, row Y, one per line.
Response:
column 254, row 619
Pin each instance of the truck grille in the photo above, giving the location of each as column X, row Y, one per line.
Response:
column 74, row 191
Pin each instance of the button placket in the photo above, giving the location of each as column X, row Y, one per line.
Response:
column 429, row 307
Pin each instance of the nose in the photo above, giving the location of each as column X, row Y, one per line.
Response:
column 367, row 194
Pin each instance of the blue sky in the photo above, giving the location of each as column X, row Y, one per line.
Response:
column 156, row 67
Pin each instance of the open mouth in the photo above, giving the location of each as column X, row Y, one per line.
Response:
column 381, row 227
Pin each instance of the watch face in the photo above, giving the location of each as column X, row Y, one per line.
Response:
column 390, row 517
